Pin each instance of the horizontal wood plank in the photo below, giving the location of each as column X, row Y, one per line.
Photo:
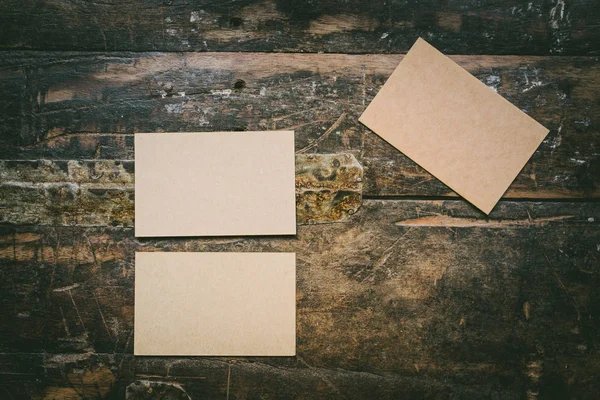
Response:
column 66, row 376
column 424, row 294
column 328, row 188
column 120, row 376
column 533, row 27
column 85, row 106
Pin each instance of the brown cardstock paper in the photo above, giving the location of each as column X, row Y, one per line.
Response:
column 453, row 125
column 215, row 184
column 215, row 304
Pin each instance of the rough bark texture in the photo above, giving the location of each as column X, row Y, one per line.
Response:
column 403, row 289
column 532, row 27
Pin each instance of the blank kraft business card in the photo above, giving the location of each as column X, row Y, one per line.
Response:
column 454, row 126
column 215, row 304
column 215, row 184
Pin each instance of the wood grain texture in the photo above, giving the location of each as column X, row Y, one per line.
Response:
column 84, row 106
column 101, row 193
column 535, row 27
column 408, row 298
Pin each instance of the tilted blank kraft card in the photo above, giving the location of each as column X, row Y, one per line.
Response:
column 453, row 125
column 215, row 184
column 215, row 304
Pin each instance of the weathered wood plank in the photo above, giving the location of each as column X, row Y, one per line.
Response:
column 535, row 27
column 67, row 376
column 84, row 106
column 106, row 376
column 426, row 291
column 328, row 189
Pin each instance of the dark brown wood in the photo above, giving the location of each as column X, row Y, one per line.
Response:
column 532, row 27
column 65, row 376
column 415, row 295
column 84, row 106
column 406, row 298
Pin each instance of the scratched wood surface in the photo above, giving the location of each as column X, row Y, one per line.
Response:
column 409, row 298
column 540, row 27
column 82, row 106
column 404, row 289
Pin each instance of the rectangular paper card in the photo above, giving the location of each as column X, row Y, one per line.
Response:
column 453, row 125
column 215, row 304
column 215, row 184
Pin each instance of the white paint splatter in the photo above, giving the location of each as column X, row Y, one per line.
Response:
column 66, row 288
column 195, row 16
column 559, row 19
column 554, row 17
column 535, row 81
column 534, row 84
column 221, row 92
column 174, row 108
column 557, row 140
column 493, row 82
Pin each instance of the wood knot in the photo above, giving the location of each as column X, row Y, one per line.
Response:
column 235, row 22
column 239, row 84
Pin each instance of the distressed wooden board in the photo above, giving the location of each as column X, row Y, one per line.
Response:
column 90, row 193
column 104, row 376
column 459, row 27
column 65, row 376
column 144, row 389
column 403, row 299
column 413, row 297
column 118, row 376
column 84, row 106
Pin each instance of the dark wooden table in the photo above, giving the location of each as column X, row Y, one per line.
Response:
column 404, row 289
